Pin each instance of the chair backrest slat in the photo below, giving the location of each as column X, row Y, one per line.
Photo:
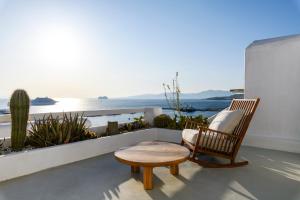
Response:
column 248, row 107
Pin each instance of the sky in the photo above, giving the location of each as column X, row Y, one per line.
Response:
column 121, row 48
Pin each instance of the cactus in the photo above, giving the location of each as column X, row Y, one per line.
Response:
column 19, row 108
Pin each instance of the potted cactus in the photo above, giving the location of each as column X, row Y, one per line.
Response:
column 19, row 108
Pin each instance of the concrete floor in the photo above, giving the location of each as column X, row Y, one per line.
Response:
column 270, row 175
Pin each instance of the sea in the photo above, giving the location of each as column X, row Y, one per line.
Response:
column 206, row 108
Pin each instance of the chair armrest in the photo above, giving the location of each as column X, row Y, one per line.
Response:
column 193, row 125
column 216, row 140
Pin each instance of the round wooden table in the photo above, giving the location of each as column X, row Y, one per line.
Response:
column 152, row 154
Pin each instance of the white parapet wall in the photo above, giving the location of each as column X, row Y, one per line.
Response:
column 273, row 74
column 27, row 162
column 149, row 114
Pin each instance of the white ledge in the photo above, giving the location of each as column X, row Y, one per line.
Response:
column 89, row 113
column 27, row 162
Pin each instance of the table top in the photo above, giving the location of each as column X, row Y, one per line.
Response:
column 153, row 153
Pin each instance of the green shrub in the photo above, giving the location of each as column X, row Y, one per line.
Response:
column 137, row 124
column 162, row 121
column 51, row 131
column 177, row 122
column 183, row 119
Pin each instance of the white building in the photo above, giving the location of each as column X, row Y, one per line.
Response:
column 273, row 74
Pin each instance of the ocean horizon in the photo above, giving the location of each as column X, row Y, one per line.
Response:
column 205, row 108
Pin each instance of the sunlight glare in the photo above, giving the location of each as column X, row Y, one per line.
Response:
column 59, row 45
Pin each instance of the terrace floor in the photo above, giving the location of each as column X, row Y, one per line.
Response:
column 270, row 175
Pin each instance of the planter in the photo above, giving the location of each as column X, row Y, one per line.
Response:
column 26, row 162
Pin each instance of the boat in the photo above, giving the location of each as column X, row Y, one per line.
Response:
column 188, row 109
column 102, row 97
column 4, row 111
column 42, row 101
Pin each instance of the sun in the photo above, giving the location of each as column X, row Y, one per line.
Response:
column 59, row 45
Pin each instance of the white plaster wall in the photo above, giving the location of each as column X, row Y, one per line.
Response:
column 27, row 162
column 273, row 74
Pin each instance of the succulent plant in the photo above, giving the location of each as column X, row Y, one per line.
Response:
column 19, row 108
column 51, row 131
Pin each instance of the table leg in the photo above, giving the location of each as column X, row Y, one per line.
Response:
column 174, row 169
column 148, row 172
column 135, row 169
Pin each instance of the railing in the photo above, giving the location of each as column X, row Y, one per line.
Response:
column 149, row 114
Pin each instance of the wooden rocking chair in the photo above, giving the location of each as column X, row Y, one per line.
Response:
column 220, row 144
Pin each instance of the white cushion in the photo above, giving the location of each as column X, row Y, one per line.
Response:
column 226, row 121
column 190, row 135
column 206, row 140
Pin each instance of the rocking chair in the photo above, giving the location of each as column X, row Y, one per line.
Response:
column 220, row 144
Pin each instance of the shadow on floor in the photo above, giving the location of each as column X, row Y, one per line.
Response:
column 270, row 175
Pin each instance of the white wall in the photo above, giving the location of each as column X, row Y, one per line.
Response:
column 27, row 162
column 45, row 158
column 273, row 74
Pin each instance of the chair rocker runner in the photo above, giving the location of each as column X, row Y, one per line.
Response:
column 200, row 139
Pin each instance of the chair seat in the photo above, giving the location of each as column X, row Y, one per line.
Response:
column 190, row 135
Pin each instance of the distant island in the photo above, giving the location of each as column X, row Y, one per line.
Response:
column 234, row 96
column 102, row 97
column 200, row 95
column 42, row 101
